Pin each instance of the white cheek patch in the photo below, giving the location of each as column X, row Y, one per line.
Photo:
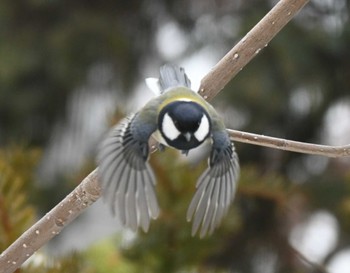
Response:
column 169, row 129
column 203, row 129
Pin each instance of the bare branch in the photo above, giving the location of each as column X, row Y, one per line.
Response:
column 51, row 224
column 290, row 145
column 247, row 48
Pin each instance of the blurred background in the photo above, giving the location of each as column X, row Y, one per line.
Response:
column 71, row 69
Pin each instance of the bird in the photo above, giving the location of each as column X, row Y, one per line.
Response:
column 181, row 119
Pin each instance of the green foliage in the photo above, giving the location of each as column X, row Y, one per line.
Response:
column 73, row 263
column 103, row 257
column 15, row 211
column 17, row 214
column 47, row 49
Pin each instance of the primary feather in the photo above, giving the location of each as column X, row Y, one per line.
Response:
column 215, row 187
column 127, row 179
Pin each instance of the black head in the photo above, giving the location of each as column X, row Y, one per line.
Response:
column 184, row 124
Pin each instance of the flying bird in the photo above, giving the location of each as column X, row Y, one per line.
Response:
column 179, row 118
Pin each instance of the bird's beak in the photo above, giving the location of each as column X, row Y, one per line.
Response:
column 187, row 136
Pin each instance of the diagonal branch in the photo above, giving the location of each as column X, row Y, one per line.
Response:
column 89, row 190
column 248, row 47
column 85, row 194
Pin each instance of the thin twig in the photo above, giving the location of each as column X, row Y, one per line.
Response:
column 290, row 145
column 86, row 193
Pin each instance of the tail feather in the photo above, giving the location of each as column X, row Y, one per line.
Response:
column 172, row 76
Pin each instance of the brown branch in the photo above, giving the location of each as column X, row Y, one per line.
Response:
column 248, row 47
column 89, row 190
column 51, row 224
column 290, row 145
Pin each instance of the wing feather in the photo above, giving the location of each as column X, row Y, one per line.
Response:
column 211, row 207
column 201, row 186
column 149, row 183
column 130, row 208
column 127, row 179
column 201, row 209
column 142, row 204
column 215, row 187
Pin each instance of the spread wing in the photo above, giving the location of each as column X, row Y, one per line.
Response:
column 127, row 178
column 215, row 187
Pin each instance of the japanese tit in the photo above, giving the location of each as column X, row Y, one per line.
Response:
column 180, row 118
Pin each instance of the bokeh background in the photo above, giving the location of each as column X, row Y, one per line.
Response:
column 71, row 69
